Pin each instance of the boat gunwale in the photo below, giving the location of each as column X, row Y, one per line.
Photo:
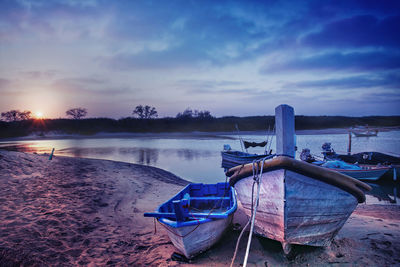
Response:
column 345, row 182
column 248, row 156
column 198, row 221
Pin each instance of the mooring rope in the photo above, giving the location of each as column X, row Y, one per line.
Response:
column 247, row 224
column 258, row 177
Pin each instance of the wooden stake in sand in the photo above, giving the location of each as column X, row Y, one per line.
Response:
column 51, row 154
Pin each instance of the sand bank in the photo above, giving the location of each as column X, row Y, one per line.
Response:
column 72, row 211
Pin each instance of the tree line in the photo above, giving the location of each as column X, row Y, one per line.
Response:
column 140, row 112
column 88, row 126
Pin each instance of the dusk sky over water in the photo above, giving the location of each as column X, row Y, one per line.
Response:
column 237, row 58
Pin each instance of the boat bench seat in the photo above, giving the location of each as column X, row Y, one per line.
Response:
column 210, row 198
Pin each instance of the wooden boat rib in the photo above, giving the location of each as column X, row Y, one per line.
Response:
column 299, row 203
column 197, row 216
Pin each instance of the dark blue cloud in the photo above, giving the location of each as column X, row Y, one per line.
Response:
column 358, row 41
column 358, row 31
column 389, row 81
column 355, row 61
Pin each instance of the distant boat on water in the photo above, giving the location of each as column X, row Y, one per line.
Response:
column 232, row 158
column 197, row 217
column 363, row 131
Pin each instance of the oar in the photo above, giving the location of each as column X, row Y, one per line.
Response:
column 195, row 215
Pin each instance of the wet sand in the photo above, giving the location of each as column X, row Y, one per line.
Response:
column 71, row 211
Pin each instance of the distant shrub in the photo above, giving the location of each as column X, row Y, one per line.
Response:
column 190, row 114
column 16, row 115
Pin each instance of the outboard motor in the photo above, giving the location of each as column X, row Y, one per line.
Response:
column 227, row 147
column 328, row 151
column 306, row 155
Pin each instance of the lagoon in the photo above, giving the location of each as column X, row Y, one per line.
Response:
column 195, row 158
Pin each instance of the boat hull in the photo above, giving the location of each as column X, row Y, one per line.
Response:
column 365, row 175
column 192, row 242
column 297, row 209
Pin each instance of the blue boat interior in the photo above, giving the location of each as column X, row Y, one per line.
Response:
column 197, row 203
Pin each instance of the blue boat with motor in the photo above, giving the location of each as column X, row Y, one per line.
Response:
column 366, row 166
column 197, row 217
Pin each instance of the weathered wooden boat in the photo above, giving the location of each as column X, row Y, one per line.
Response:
column 232, row 158
column 297, row 202
column 197, row 216
column 300, row 203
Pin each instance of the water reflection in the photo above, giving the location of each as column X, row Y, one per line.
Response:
column 384, row 193
column 191, row 154
column 86, row 151
column 28, row 148
column 140, row 155
column 147, row 156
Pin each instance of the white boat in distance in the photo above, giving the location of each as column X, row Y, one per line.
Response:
column 363, row 131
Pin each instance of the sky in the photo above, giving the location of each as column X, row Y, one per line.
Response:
column 239, row 58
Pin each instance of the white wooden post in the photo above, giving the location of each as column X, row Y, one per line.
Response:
column 285, row 134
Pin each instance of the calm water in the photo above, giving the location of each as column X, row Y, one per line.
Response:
column 199, row 160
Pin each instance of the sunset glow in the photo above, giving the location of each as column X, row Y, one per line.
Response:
column 39, row 115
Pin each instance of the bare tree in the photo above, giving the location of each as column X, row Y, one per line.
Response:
column 16, row 115
column 145, row 112
column 76, row 113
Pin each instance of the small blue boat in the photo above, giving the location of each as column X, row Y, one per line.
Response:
column 197, row 217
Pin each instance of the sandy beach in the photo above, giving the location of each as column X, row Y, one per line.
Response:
column 72, row 211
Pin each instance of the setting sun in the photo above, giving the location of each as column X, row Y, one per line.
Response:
column 39, row 115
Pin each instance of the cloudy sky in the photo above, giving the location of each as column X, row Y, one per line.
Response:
column 229, row 57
